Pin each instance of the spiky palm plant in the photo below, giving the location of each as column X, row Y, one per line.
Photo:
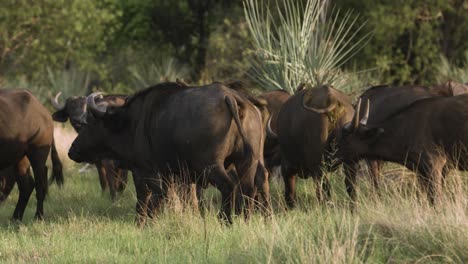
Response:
column 300, row 44
column 69, row 82
column 167, row 69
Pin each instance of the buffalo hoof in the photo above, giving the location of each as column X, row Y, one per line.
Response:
column 225, row 219
column 291, row 204
column 39, row 217
column 140, row 221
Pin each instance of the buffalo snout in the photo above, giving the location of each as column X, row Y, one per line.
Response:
column 74, row 154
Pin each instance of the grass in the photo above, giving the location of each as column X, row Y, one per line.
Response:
column 84, row 225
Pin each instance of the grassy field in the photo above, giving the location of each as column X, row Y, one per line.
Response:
column 82, row 224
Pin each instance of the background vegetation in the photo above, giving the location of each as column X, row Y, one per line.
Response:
column 121, row 44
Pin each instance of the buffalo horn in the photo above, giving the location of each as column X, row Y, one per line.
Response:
column 317, row 110
column 366, row 114
column 270, row 132
column 356, row 115
column 98, row 110
column 55, row 103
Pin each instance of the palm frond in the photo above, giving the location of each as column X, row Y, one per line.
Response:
column 300, row 45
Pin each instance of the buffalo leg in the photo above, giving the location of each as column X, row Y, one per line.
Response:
column 157, row 197
column 263, row 185
column 7, row 185
column 350, row 180
column 374, row 172
column 219, row 178
column 111, row 174
column 123, row 180
column 102, row 175
column 289, row 177
column 38, row 158
column 201, row 201
column 25, row 186
column 247, row 192
column 143, row 197
column 247, row 174
column 430, row 177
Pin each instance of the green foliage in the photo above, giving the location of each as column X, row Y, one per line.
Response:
column 228, row 50
column 42, row 92
column 166, row 70
column 300, row 44
column 70, row 82
column 36, row 35
column 211, row 38
column 410, row 36
column 449, row 72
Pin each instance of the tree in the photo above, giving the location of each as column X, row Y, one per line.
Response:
column 410, row 35
column 36, row 35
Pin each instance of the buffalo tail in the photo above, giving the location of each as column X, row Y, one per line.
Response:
column 233, row 107
column 57, row 168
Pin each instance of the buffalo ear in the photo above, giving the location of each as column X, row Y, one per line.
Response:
column 60, row 116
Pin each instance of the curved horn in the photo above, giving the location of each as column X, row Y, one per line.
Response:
column 300, row 87
column 55, row 103
column 366, row 114
column 98, row 110
column 319, row 111
column 356, row 115
column 270, row 132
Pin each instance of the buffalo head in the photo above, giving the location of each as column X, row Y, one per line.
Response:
column 103, row 121
column 73, row 109
column 357, row 136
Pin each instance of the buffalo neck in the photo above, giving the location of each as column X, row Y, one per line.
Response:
column 398, row 141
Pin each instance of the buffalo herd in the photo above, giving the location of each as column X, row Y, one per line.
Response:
column 222, row 135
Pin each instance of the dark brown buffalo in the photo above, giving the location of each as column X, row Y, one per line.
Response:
column 269, row 104
column 427, row 136
column 74, row 110
column 308, row 124
column 387, row 100
column 271, row 151
column 169, row 129
column 26, row 134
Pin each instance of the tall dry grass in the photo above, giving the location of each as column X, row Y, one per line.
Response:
column 397, row 225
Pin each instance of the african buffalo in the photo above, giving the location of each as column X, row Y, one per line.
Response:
column 271, row 151
column 74, row 110
column 427, row 136
column 387, row 100
column 26, row 134
column 308, row 124
column 171, row 128
column 269, row 104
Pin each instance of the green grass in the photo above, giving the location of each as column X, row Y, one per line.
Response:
column 82, row 225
